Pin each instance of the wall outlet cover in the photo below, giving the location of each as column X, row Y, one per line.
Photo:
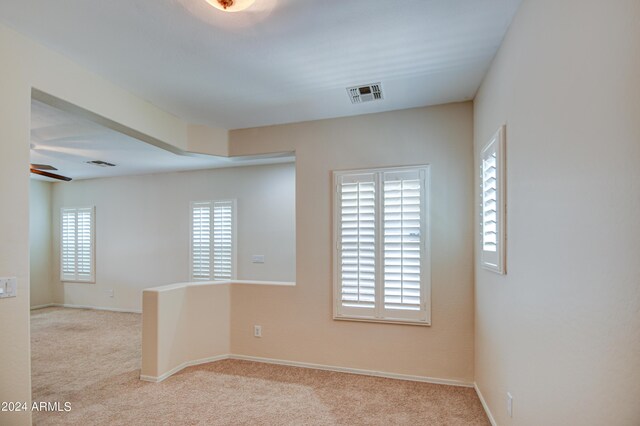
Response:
column 8, row 287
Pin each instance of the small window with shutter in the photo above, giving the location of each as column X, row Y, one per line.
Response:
column 381, row 257
column 77, row 244
column 213, row 240
column 492, row 204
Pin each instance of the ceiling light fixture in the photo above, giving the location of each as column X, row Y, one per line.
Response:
column 231, row 5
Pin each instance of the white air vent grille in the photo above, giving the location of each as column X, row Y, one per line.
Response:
column 367, row 93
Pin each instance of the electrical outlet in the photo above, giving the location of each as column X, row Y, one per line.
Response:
column 509, row 405
column 109, row 292
column 257, row 331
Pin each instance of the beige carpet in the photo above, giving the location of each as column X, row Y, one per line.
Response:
column 92, row 359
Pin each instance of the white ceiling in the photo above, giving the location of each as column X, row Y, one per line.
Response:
column 66, row 141
column 280, row 60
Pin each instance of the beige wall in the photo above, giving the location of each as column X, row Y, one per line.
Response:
column 182, row 324
column 561, row 330
column 142, row 229
column 41, row 290
column 297, row 321
column 26, row 65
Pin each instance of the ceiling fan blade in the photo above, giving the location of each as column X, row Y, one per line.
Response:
column 43, row 167
column 50, row 175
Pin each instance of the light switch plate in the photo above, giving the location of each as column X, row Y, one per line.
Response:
column 8, row 287
column 257, row 258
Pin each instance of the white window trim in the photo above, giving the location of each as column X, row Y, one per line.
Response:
column 74, row 278
column 495, row 261
column 381, row 315
column 234, row 229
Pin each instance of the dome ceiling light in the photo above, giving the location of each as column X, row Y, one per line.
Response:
column 231, row 5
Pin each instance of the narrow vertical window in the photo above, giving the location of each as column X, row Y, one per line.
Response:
column 223, row 240
column 201, row 241
column 381, row 230
column 492, row 204
column 213, row 240
column 357, row 239
column 403, row 227
column 77, row 244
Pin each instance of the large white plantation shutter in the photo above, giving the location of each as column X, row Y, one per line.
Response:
column 357, row 241
column 403, row 213
column 77, row 244
column 201, row 241
column 223, row 240
column 382, row 270
column 212, row 240
column 492, row 204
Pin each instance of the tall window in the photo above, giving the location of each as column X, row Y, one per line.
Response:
column 381, row 259
column 213, row 240
column 492, row 204
column 77, row 244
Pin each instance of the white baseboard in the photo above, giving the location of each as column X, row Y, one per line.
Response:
column 157, row 379
column 48, row 305
column 95, row 308
column 434, row 380
column 396, row 376
column 484, row 405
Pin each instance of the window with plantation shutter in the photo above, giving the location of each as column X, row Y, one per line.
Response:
column 213, row 240
column 492, row 210
column 358, row 239
column 201, row 241
column 381, row 258
column 223, row 240
column 77, row 244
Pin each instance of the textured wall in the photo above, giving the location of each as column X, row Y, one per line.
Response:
column 561, row 330
column 26, row 65
column 40, row 261
column 297, row 321
column 142, row 228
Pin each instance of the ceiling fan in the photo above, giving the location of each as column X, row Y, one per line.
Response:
column 45, row 170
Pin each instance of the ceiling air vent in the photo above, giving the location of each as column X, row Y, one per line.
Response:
column 101, row 163
column 368, row 93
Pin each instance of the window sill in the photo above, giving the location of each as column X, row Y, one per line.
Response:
column 205, row 283
column 383, row 321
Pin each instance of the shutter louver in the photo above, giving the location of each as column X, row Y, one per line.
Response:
column 68, row 243
column 489, row 203
column 381, row 260
column 492, row 204
column 212, row 240
column 222, row 240
column 402, row 241
column 84, row 251
column 357, row 243
column 77, row 244
column 201, row 241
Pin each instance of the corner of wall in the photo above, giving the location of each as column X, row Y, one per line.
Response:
column 207, row 140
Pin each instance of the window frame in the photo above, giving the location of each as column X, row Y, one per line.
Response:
column 380, row 314
column 234, row 239
column 494, row 261
column 75, row 277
